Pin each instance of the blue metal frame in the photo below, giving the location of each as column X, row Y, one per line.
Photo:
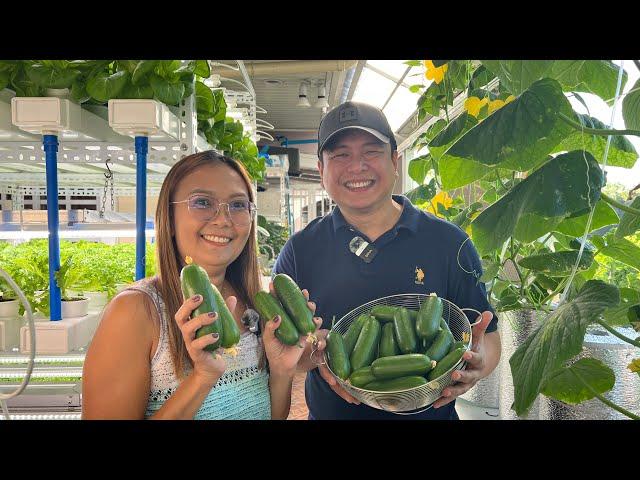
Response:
column 50, row 143
column 142, row 147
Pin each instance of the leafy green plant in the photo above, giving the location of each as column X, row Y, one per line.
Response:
column 272, row 242
column 524, row 172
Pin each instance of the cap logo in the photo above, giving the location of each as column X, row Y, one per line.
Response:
column 348, row 114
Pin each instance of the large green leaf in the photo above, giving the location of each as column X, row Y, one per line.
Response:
column 480, row 78
column 50, row 77
column 447, row 136
column 204, row 101
column 136, row 91
column 565, row 185
column 520, row 135
column 599, row 77
column 518, row 75
column 426, row 137
column 630, row 222
column 622, row 250
column 79, row 92
column 220, row 106
column 558, row 339
column 557, row 263
column 631, row 108
column 602, row 216
column 419, row 167
column 104, row 87
column 621, row 151
column 142, row 71
column 619, row 316
column 422, row 193
column 166, row 91
column 532, row 226
column 458, row 172
column 202, row 69
column 568, row 383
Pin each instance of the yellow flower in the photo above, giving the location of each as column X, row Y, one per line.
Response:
column 509, row 99
column 474, row 104
column 441, row 198
column 634, row 366
column 434, row 73
column 495, row 105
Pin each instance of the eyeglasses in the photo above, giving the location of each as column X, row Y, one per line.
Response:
column 205, row 208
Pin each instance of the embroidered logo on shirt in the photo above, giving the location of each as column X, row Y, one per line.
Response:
column 419, row 276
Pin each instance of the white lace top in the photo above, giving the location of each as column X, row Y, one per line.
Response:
column 241, row 393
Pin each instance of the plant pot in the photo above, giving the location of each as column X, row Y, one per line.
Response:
column 616, row 354
column 9, row 308
column 75, row 308
column 96, row 299
column 514, row 326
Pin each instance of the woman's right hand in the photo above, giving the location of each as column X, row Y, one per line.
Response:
column 207, row 366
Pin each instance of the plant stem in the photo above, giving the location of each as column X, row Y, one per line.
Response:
column 621, row 206
column 596, row 131
column 500, row 180
column 614, row 332
column 607, row 402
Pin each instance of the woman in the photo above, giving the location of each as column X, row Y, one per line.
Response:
column 144, row 360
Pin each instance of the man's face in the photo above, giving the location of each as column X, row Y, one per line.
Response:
column 358, row 171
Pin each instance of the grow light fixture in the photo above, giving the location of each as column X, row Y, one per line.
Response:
column 322, row 97
column 303, row 101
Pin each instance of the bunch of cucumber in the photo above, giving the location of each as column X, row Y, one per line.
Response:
column 194, row 280
column 292, row 307
column 395, row 348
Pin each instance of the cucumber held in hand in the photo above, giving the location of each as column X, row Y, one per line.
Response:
column 385, row 313
column 361, row 377
column 446, row 363
column 230, row 329
column 195, row 281
column 365, row 350
column 353, row 332
column 337, row 356
column 441, row 345
column 428, row 321
column 295, row 304
column 401, row 366
column 405, row 334
column 395, row 384
column 388, row 345
column 268, row 307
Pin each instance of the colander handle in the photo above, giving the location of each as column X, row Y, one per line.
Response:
column 474, row 310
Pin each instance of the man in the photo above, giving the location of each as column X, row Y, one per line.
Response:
column 409, row 251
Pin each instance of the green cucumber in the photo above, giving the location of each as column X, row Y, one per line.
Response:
column 428, row 321
column 361, row 377
column 337, row 356
column 230, row 329
column 455, row 345
column 444, row 324
column 395, row 384
column 352, row 333
column 405, row 333
column 441, row 345
column 384, row 313
column 388, row 346
column 294, row 303
column 194, row 280
column 268, row 307
column 446, row 363
column 401, row 366
column 364, row 351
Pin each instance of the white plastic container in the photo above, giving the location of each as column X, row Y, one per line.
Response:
column 75, row 308
column 9, row 309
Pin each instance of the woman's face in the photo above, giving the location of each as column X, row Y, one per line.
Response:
column 213, row 242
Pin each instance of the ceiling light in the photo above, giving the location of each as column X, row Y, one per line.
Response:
column 303, row 101
column 322, row 98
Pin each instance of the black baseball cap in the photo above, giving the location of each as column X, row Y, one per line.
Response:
column 355, row 115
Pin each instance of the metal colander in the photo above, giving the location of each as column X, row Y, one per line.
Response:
column 413, row 400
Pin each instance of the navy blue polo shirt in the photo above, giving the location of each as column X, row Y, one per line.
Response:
column 318, row 259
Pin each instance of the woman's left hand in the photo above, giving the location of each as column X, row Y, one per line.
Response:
column 283, row 359
column 475, row 370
